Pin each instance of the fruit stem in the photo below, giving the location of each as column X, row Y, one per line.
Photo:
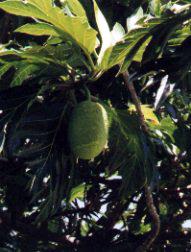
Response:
column 87, row 92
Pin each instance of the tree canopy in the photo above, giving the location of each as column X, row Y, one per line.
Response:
column 134, row 59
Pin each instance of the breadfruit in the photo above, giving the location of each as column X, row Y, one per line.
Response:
column 88, row 129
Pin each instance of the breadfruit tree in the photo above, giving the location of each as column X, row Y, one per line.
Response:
column 95, row 125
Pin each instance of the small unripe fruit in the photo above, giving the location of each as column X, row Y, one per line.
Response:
column 88, row 129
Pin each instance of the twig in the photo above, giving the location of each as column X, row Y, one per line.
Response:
column 155, row 218
column 148, row 194
column 136, row 101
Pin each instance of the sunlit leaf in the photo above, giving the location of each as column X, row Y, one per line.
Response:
column 132, row 20
column 76, row 8
column 74, row 27
column 104, row 31
column 117, row 33
column 148, row 113
column 38, row 29
column 22, row 9
column 155, row 7
column 78, row 192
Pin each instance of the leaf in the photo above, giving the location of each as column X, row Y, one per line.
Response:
column 160, row 36
column 116, row 54
column 179, row 36
column 9, row 54
column 148, row 113
column 44, row 60
column 160, row 92
column 132, row 52
column 155, row 7
column 2, row 141
column 75, row 28
column 78, row 192
column 44, row 5
column 4, row 69
column 80, row 31
column 177, row 8
column 54, row 41
column 132, row 20
column 32, row 134
column 46, row 207
column 168, row 125
column 38, row 29
column 63, row 55
column 128, row 140
column 24, row 72
column 139, row 55
column 104, row 31
column 117, row 33
column 22, row 9
column 76, row 8
column 144, row 228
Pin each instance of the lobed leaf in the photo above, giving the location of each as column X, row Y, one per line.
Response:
column 74, row 27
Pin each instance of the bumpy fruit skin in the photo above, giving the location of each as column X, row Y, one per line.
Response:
column 88, row 130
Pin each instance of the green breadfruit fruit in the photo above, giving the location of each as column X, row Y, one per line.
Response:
column 88, row 129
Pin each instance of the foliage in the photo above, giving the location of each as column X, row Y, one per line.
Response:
column 50, row 53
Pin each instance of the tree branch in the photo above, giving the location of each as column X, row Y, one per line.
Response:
column 156, row 221
column 148, row 194
column 136, row 101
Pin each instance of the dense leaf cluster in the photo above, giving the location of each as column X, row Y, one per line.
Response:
column 50, row 53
